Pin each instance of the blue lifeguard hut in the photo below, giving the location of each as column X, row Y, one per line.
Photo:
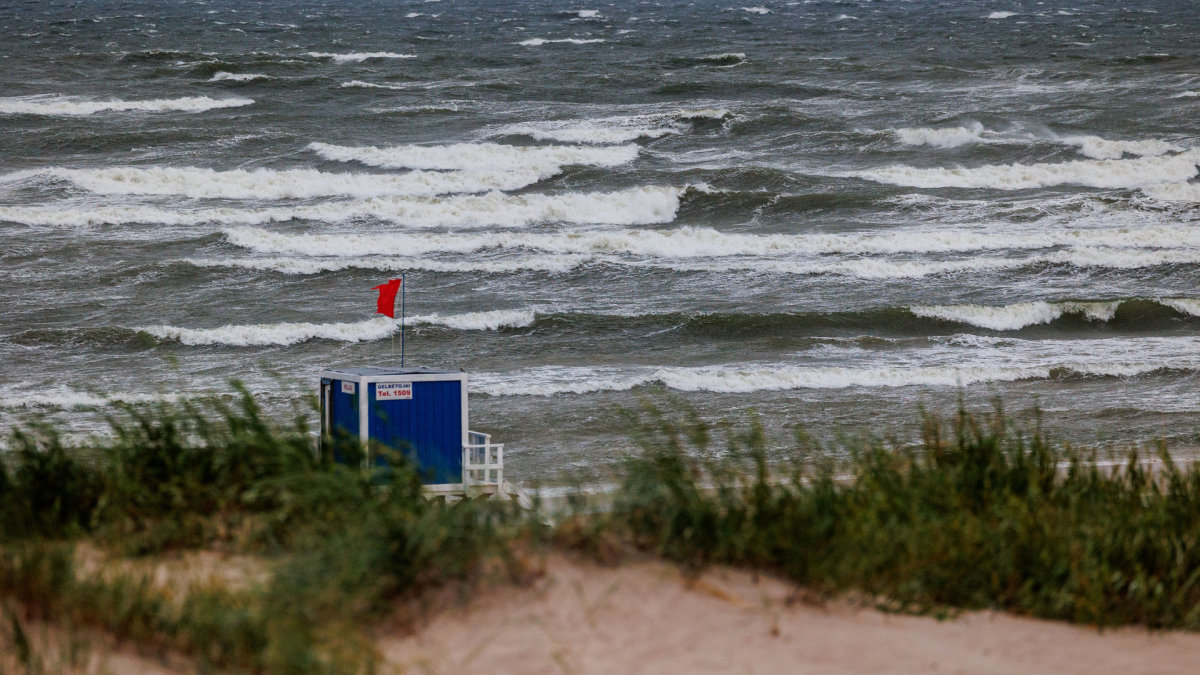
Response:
column 420, row 412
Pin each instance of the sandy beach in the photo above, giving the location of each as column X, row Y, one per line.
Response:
column 646, row 617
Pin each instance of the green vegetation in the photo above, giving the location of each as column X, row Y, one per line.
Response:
column 975, row 516
column 978, row 514
column 343, row 549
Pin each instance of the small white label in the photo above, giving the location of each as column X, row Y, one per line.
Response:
column 385, row 391
column 347, row 387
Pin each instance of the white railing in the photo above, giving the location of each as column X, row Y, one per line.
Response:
column 483, row 461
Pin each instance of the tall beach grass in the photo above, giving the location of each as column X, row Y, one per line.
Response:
column 980, row 513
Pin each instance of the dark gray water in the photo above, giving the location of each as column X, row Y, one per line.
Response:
column 829, row 212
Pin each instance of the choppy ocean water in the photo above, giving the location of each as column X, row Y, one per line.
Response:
column 828, row 212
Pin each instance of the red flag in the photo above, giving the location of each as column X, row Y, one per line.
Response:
column 387, row 297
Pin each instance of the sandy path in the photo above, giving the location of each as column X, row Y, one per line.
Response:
column 645, row 618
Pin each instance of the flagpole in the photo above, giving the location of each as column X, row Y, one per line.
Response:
column 402, row 289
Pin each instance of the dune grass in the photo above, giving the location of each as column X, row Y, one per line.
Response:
column 978, row 514
column 344, row 547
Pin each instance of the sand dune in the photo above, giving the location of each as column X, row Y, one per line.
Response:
column 647, row 618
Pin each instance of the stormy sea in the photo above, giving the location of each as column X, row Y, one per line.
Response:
column 831, row 213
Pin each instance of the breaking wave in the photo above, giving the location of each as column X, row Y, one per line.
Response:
column 359, row 57
column 1174, row 192
column 727, row 59
column 554, row 264
column 892, row 269
column 1101, row 148
column 223, row 76
column 282, row 184
column 702, row 242
column 69, row 398
column 538, row 42
column 598, row 132
column 1117, row 173
column 747, row 378
column 282, row 334
column 636, row 206
column 1094, row 147
column 947, row 137
column 610, row 130
column 64, row 106
column 1017, row 316
column 488, row 156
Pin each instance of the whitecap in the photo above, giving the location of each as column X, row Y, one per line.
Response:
column 1101, row 148
column 1016, row 316
column 635, row 206
column 538, row 42
column 223, row 76
column 702, row 242
column 556, row 264
column 490, row 156
column 1116, row 173
column 945, row 137
column 65, row 106
column 283, row 184
column 378, row 328
column 359, row 57
column 1174, row 192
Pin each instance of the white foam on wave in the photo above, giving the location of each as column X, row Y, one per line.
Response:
column 862, row 268
column 538, row 42
column 371, row 85
column 703, row 114
column 588, row 14
column 64, row 106
column 284, row 184
column 702, row 242
column 1115, row 173
column 223, row 76
column 70, row 398
column 947, row 137
column 597, row 131
column 491, row 156
column 1190, row 306
column 1120, row 258
column 556, row 264
column 419, row 84
column 756, row 10
column 1101, row 148
column 1174, row 192
column 947, row 362
column 1187, row 94
column 611, row 130
column 726, row 56
column 1091, row 146
column 744, row 378
column 359, row 57
column 636, row 206
column 282, row 334
column 1016, row 316
column 876, row 268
